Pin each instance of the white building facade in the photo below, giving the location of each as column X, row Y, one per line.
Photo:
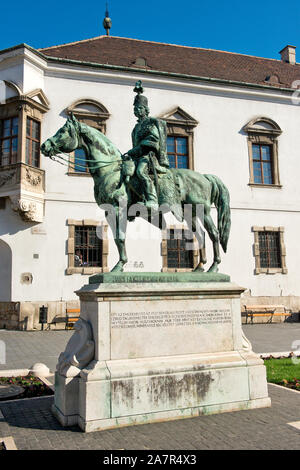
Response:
column 244, row 132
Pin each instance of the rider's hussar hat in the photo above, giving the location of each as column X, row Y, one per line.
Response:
column 140, row 99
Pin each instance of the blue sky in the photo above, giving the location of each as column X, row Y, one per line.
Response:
column 255, row 28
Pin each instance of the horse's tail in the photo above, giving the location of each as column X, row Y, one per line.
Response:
column 220, row 197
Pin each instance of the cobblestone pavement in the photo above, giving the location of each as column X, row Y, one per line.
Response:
column 24, row 348
column 276, row 337
column 32, row 426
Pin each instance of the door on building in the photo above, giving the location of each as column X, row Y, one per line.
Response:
column 5, row 272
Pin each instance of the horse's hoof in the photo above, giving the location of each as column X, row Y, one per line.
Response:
column 118, row 268
column 214, row 268
column 199, row 269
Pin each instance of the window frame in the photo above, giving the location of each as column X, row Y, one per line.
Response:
column 10, row 138
column 263, row 136
column 72, row 164
column 31, row 139
column 93, row 119
column 164, row 250
column 266, row 270
column 181, row 126
column 261, row 162
column 72, row 269
column 176, row 154
column 23, row 106
column 22, row 183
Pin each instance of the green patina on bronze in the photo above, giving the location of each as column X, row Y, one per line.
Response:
column 141, row 178
column 149, row 152
column 110, row 278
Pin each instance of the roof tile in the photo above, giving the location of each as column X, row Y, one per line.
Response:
column 178, row 59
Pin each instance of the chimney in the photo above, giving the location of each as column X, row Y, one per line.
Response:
column 288, row 54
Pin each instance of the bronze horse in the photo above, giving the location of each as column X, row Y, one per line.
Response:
column 177, row 188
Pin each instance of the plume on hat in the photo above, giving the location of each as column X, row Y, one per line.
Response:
column 140, row 99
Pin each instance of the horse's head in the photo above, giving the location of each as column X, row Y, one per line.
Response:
column 66, row 139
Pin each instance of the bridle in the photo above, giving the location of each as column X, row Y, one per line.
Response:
column 58, row 158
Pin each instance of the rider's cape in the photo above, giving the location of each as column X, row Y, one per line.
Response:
column 151, row 134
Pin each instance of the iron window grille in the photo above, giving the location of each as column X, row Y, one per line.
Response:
column 88, row 247
column 269, row 249
column 177, row 254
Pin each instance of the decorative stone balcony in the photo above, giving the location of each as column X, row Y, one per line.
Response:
column 25, row 186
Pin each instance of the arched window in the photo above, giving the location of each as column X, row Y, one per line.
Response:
column 93, row 114
column 263, row 136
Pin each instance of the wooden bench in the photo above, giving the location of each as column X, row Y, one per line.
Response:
column 69, row 320
column 265, row 311
column 72, row 319
column 57, row 320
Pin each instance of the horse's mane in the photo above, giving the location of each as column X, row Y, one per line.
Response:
column 90, row 133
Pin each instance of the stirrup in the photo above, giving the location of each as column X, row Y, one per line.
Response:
column 151, row 205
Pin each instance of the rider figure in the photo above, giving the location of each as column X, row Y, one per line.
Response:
column 148, row 139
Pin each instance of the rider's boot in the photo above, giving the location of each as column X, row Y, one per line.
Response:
column 151, row 205
column 150, row 194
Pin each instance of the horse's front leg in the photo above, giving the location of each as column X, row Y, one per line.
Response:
column 118, row 224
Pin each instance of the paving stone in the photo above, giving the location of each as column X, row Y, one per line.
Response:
column 33, row 426
column 24, row 348
column 267, row 428
column 277, row 337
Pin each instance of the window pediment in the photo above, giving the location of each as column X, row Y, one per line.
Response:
column 179, row 116
column 262, row 125
column 35, row 99
column 39, row 96
column 88, row 108
column 94, row 114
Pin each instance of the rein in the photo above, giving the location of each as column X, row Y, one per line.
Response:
column 71, row 164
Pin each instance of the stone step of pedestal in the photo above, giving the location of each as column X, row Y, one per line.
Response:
column 108, row 278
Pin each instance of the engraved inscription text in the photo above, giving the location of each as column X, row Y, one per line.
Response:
column 163, row 319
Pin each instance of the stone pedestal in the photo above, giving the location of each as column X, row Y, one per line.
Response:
column 147, row 352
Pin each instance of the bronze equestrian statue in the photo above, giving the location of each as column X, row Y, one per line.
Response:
column 141, row 178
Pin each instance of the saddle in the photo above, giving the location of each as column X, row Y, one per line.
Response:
column 167, row 182
column 128, row 166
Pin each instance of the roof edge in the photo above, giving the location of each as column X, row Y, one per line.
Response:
column 18, row 46
column 161, row 43
column 73, row 42
column 25, row 46
column 162, row 73
column 143, row 71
